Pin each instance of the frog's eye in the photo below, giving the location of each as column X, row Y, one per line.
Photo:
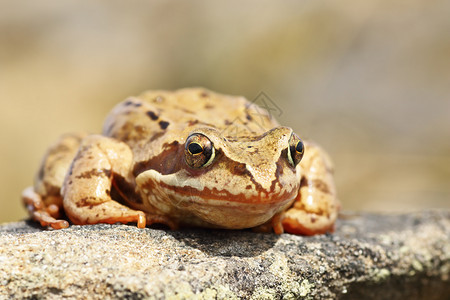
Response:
column 199, row 151
column 296, row 150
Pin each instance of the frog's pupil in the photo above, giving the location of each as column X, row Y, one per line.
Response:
column 195, row 148
column 299, row 147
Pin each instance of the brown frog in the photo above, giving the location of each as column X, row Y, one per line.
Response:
column 190, row 157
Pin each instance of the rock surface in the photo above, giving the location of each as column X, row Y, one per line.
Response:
column 369, row 257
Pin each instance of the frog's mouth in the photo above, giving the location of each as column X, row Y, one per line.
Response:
column 219, row 207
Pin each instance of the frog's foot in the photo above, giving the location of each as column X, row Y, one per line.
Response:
column 109, row 212
column 38, row 211
column 158, row 219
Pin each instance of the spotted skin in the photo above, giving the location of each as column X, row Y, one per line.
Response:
column 246, row 172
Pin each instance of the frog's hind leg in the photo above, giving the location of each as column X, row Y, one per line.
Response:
column 87, row 187
column 316, row 207
column 43, row 201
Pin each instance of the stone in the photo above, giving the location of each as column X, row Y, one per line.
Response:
column 370, row 256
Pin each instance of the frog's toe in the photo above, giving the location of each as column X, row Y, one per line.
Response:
column 131, row 216
column 46, row 220
column 139, row 217
column 141, row 222
column 53, row 210
column 59, row 224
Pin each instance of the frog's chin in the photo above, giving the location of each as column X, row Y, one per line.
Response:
column 179, row 198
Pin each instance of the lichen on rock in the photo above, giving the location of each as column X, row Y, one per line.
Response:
column 370, row 255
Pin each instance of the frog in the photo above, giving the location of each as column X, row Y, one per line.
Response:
column 187, row 158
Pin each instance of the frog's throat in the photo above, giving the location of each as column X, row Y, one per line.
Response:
column 153, row 182
column 167, row 195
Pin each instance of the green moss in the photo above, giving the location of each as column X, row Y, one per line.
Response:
column 380, row 274
column 305, row 288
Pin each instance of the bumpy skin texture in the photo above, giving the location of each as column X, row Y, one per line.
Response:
column 190, row 157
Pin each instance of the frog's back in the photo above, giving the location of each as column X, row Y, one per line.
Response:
column 194, row 106
column 161, row 116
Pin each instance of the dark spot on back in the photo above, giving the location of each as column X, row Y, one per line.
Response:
column 152, row 115
column 140, row 130
column 204, row 94
column 209, row 106
column 249, row 117
column 163, row 124
column 192, row 122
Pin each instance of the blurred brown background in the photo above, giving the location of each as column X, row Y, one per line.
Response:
column 369, row 80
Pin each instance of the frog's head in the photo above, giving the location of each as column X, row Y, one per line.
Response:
column 237, row 182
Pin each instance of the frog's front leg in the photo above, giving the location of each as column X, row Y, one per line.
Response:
column 316, row 207
column 87, row 186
